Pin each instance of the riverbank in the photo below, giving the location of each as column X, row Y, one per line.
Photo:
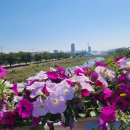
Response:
column 20, row 74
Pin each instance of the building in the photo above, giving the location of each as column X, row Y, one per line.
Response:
column 89, row 48
column 55, row 51
column 72, row 48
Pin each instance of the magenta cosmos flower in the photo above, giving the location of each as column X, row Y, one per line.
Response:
column 94, row 76
column 25, row 108
column 99, row 63
column 119, row 59
column 55, row 103
column 108, row 114
column 121, row 103
column 122, row 78
column 1, row 116
column 61, row 69
column 128, row 75
column 78, row 71
column 107, row 93
column 39, row 108
column 14, row 88
column 9, row 118
column 2, row 72
column 36, row 121
column 85, row 93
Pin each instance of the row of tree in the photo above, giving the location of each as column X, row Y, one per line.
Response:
column 121, row 52
column 25, row 57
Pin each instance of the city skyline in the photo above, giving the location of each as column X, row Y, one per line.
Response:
column 87, row 48
column 47, row 25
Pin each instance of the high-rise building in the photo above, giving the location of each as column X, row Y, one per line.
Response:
column 89, row 48
column 72, row 48
column 55, row 51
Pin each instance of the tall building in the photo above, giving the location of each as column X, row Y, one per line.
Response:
column 55, row 51
column 89, row 48
column 72, row 48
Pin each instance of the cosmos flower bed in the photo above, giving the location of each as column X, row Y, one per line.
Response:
column 61, row 95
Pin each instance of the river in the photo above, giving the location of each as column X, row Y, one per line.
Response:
column 88, row 63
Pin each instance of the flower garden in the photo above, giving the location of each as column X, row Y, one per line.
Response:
column 61, row 95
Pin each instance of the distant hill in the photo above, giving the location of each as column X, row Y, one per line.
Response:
column 117, row 49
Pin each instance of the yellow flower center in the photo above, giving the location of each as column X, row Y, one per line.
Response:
column 128, row 64
column 41, row 106
column 66, row 91
column 55, row 101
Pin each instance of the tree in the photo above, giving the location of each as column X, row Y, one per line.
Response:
column 11, row 59
column 37, row 57
column 26, row 57
column 3, row 58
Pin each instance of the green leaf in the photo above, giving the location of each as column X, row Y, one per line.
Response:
column 92, row 113
column 82, row 115
column 86, row 101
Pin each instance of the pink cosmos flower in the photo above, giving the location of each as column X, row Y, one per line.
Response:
column 102, row 79
column 87, row 86
column 2, row 72
column 80, row 79
column 55, row 103
column 100, row 70
column 37, row 88
column 101, row 82
column 51, row 87
column 65, row 90
column 25, row 108
column 38, row 77
column 70, row 83
column 30, row 82
column 85, row 68
column 125, row 63
column 108, row 114
column 40, row 108
column 110, row 74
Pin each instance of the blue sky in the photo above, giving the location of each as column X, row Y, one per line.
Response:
column 45, row 25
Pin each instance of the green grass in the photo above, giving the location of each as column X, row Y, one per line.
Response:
column 22, row 73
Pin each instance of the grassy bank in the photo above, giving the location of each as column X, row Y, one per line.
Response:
column 22, row 73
